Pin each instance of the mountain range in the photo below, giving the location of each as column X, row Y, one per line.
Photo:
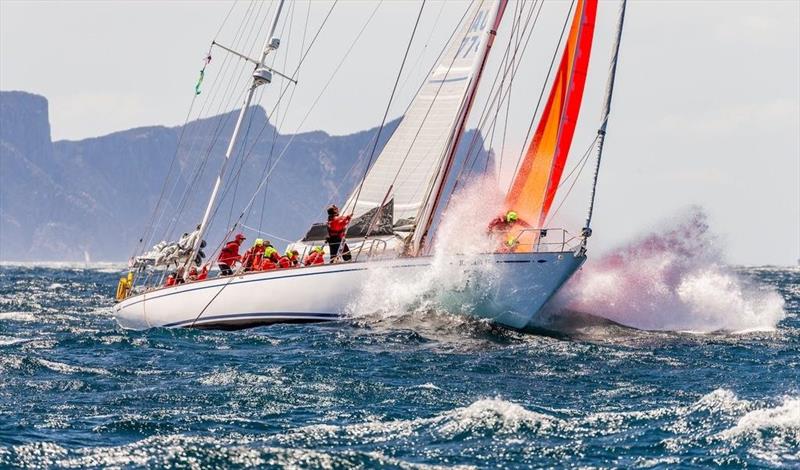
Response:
column 93, row 199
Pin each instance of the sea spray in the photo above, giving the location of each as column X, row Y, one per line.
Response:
column 673, row 279
column 391, row 294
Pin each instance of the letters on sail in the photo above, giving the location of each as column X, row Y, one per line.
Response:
column 411, row 162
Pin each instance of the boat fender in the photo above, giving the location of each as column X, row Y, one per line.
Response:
column 124, row 286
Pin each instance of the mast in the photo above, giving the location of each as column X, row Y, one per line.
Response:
column 601, row 133
column 429, row 210
column 261, row 75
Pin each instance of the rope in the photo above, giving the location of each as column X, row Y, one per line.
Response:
column 511, row 68
column 283, row 152
column 544, row 85
column 271, row 235
column 388, row 106
column 579, row 164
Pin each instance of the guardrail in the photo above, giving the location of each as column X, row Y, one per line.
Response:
column 365, row 249
column 536, row 240
column 541, row 240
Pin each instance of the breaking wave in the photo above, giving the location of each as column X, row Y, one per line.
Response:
column 770, row 432
column 673, row 279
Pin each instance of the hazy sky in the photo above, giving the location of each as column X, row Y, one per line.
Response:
column 706, row 110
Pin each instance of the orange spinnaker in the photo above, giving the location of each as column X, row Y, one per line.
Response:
column 534, row 187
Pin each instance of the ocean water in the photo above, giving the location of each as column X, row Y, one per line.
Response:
column 428, row 388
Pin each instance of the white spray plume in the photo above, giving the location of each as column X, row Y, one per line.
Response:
column 674, row 280
column 462, row 231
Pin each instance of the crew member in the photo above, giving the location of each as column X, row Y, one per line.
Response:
column 505, row 222
column 317, row 256
column 289, row 259
column 337, row 228
column 229, row 255
column 250, row 256
column 502, row 225
column 269, row 258
column 203, row 273
column 293, row 256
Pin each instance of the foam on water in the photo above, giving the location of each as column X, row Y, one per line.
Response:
column 673, row 279
column 391, row 295
column 77, row 391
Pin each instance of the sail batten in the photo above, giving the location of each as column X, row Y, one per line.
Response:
column 535, row 185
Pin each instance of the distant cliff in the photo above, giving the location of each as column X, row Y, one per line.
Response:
column 68, row 200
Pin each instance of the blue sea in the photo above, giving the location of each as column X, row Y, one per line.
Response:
column 695, row 371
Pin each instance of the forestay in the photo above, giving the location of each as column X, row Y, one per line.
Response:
column 407, row 168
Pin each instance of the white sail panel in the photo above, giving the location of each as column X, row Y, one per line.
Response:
column 407, row 167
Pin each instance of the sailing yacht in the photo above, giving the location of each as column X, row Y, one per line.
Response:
column 396, row 204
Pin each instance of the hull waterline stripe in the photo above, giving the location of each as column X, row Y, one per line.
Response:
column 283, row 315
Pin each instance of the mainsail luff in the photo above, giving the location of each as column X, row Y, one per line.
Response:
column 412, row 159
column 432, row 203
column 535, row 184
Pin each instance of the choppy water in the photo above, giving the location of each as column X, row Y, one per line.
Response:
column 410, row 390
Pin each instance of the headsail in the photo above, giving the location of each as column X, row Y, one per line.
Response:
column 411, row 162
column 535, row 184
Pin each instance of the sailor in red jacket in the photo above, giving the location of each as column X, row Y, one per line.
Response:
column 229, row 255
column 250, row 256
column 337, row 228
column 289, row 259
column 317, row 256
column 505, row 222
column 502, row 227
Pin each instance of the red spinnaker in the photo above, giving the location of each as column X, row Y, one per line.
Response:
column 535, row 184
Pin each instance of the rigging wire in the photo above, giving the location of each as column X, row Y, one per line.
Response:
column 241, row 156
column 153, row 225
column 544, row 85
column 360, row 160
column 308, row 113
column 214, row 94
column 430, row 106
column 279, row 125
column 512, row 68
column 579, row 165
column 388, row 105
column 313, row 105
column 221, row 124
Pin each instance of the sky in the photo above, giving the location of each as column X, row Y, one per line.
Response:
column 706, row 109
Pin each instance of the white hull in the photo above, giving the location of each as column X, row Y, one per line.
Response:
column 328, row 292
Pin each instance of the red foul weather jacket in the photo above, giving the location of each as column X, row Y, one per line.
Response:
column 337, row 226
column 230, row 254
column 314, row 258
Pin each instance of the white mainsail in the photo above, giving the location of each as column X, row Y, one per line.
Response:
column 408, row 168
